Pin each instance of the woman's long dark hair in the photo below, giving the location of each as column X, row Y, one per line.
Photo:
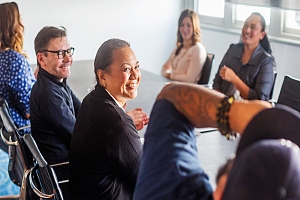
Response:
column 264, row 43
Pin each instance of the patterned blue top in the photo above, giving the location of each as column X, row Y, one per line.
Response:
column 16, row 81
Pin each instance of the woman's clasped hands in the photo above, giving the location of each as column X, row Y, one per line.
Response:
column 139, row 117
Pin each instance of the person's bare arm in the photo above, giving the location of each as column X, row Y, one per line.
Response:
column 167, row 67
column 199, row 104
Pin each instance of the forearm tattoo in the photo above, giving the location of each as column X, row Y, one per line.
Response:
column 197, row 104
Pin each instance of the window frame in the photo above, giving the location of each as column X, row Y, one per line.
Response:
column 275, row 32
column 286, row 30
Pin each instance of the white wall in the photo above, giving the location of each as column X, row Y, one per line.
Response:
column 287, row 56
column 149, row 26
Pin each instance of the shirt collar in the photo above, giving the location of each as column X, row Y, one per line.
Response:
column 115, row 100
column 239, row 52
column 254, row 58
column 51, row 77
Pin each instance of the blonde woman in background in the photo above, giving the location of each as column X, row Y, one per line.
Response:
column 186, row 61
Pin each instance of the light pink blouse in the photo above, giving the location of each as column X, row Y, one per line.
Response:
column 187, row 65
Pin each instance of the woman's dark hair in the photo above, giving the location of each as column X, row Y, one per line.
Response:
column 104, row 56
column 196, row 26
column 11, row 28
column 265, row 41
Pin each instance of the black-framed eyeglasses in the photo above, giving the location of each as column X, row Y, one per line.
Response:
column 62, row 53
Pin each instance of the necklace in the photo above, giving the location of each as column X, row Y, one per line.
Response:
column 177, row 58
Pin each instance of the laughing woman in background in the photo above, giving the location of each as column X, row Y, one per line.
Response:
column 186, row 61
column 247, row 69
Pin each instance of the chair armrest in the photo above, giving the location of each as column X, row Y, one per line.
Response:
column 8, row 141
column 57, row 165
column 45, row 179
column 60, row 164
column 24, row 127
column 35, row 188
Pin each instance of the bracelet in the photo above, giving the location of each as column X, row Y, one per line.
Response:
column 222, row 118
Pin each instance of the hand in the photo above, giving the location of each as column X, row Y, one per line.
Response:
column 139, row 117
column 168, row 75
column 27, row 116
column 166, row 70
column 227, row 74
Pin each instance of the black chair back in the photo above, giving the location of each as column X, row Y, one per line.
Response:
column 206, row 69
column 290, row 93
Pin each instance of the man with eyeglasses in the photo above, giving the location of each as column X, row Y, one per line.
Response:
column 53, row 105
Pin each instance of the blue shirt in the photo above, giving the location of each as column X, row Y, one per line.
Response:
column 257, row 74
column 16, row 81
column 170, row 167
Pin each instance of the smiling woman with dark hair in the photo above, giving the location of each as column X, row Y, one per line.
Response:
column 106, row 148
column 247, row 69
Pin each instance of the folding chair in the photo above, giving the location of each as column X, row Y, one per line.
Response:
column 47, row 186
column 27, row 167
column 20, row 159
